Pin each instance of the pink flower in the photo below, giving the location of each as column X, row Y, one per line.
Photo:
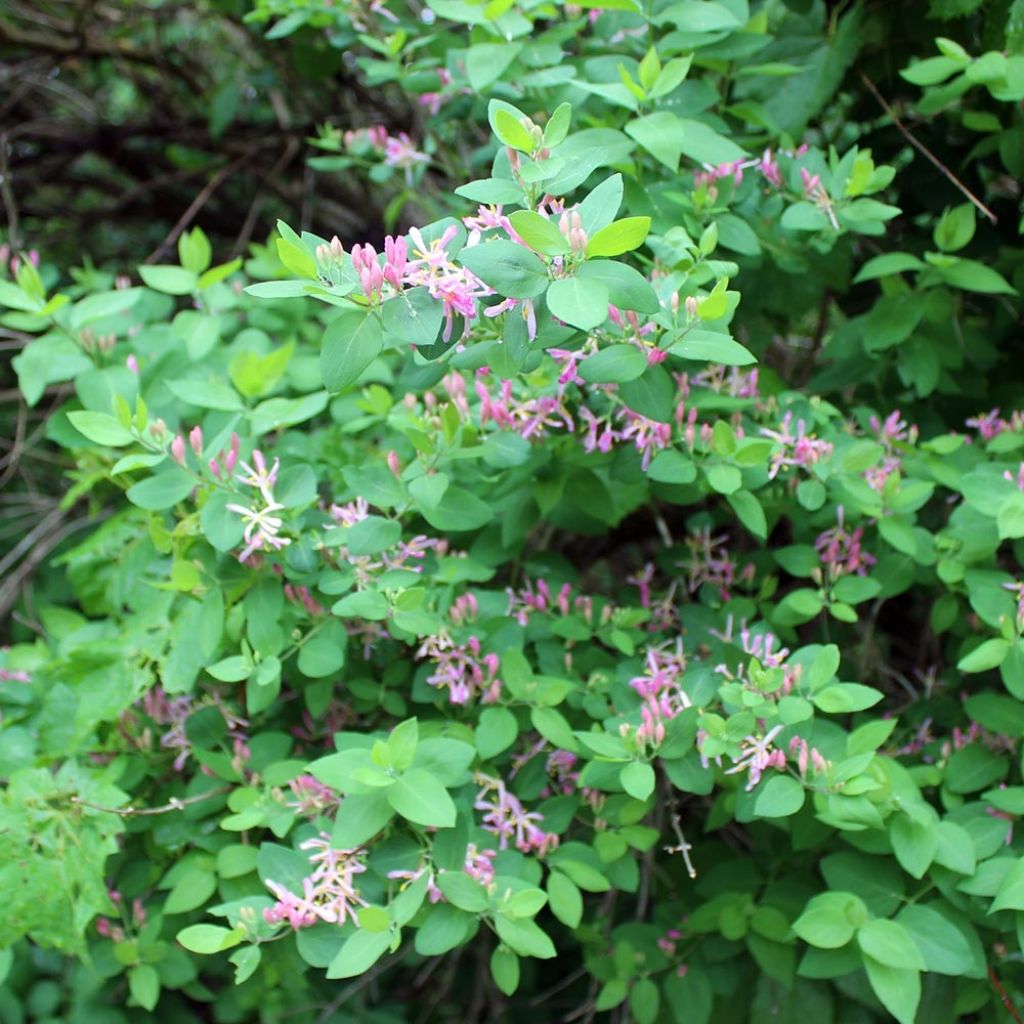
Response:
column 756, row 754
column 461, row 669
column 799, row 449
column 840, row 550
column 507, row 819
column 328, row 893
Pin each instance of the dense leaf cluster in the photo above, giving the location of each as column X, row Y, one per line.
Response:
column 601, row 598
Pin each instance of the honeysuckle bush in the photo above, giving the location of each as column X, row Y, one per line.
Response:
column 483, row 621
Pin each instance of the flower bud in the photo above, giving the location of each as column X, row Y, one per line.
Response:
column 195, row 439
column 178, row 450
column 394, row 464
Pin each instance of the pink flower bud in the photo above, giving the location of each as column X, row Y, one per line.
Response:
column 215, row 468
column 195, row 438
column 132, row 363
column 394, row 464
column 178, row 450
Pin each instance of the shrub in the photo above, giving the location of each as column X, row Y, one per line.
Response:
column 503, row 592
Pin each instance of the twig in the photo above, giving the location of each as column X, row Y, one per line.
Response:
column 925, row 151
column 174, row 804
column 7, row 194
column 364, row 980
column 684, row 847
column 1007, row 1002
column 196, row 205
column 555, row 989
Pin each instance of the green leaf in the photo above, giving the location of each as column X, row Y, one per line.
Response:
column 369, row 536
column 627, row 288
column 102, row 305
column 713, row 347
column 169, row 279
column 887, row 264
column 496, row 731
column 889, row 943
column 661, row 135
column 898, row 989
column 414, row 317
column 508, row 268
column 524, row 937
column 638, row 779
column 364, row 604
column 351, row 342
column 296, row 259
column 619, row 237
column 779, row 797
column 221, row 527
column 360, row 952
column 162, row 491
column 486, row 63
column 463, row 892
column 100, row 428
column 987, row 655
column 505, row 969
column 974, row 767
column 651, row 395
column 360, row 817
column 830, row 919
column 144, row 985
column 750, row 513
column 539, row 233
column 699, row 16
column 615, row 365
column 945, row 947
column 512, row 132
column 458, row 510
column 324, row 654
column 955, row 228
column 190, row 891
column 1011, row 891
column 914, row 843
column 421, row 798
column 565, row 899
column 209, row 938
column 972, row 276
column 444, row 928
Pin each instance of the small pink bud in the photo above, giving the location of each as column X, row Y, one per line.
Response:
column 215, row 468
column 195, row 438
column 690, row 305
column 178, row 450
column 132, row 363
column 393, row 463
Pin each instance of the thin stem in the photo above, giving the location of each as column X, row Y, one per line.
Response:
column 925, row 151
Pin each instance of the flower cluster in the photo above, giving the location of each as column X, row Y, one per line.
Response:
column 661, row 690
column 841, row 550
column 797, row 448
column 328, row 894
column 507, row 819
column 261, row 521
column 461, row 668
column 756, row 754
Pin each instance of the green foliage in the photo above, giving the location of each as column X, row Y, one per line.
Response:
column 611, row 587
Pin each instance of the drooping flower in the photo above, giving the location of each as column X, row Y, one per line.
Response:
column 507, row 819
column 328, row 894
